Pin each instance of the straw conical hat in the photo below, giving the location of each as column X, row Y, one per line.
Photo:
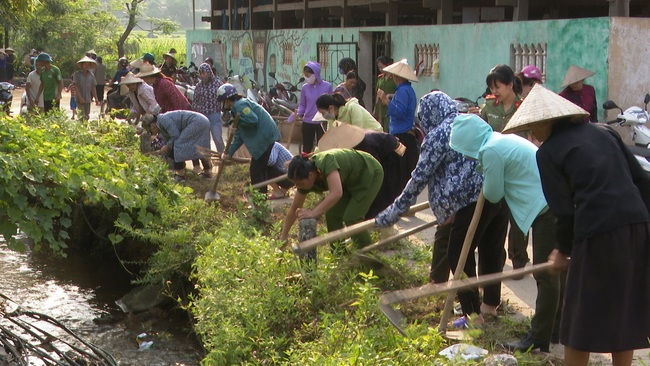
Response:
column 86, row 59
column 129, row 78
column 542, row 105
column 344, row 136
column 401, row 69
column 575, row 74
column 148, row 70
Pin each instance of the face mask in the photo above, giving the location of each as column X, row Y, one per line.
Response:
column 311, row 80
column 329, row 116
column 341, row 71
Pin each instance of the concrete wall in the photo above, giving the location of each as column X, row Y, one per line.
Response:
column 467, row 51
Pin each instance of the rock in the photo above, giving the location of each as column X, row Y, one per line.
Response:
column 141, row 298
column 500, row 360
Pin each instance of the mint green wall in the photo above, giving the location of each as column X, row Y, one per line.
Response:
column 467, row 51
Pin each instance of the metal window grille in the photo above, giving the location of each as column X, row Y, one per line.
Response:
column 235, row 49
column 259, row 53
column 425, row 56
column 329, row 55
column 287, row 54
column 522, row 55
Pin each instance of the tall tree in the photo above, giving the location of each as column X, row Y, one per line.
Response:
column 11, row 11
column 133, row 14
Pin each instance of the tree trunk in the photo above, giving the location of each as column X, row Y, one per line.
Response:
column 132, row 11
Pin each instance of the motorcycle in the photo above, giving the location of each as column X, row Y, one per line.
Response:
column 6, row 97
column 284, row 90
column 635, row 118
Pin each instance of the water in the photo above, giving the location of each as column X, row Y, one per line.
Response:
column 78, row 289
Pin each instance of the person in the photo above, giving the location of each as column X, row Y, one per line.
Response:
column 168, row 97
column 529, row 76
column 346, row 88
column 32, row 85
column 581, row 94
column 3, row 65
column 278, row 160
column 168, row 67
column 210, row 62
column 205, row 102
column 141, row 94
column 384, row 147
column 387, row 85
column 11, row 63
column 257, row 130
column 72, row 89
column 401, row 110
column 352, row 179
column 601, row 207
column 498, row 109
column 147, row 58
column 115, row 98
column 510, row 171
column 183, row 131
column 454, row 186
column 314, row 87
column 85, row 84
column 336, row 109
column 51, row 82
column 347, row 66
column 100, row 78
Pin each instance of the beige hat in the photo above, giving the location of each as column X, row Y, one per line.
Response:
column 9, row 49
column 344, row 136
column 575, row 74
column 542, row 105
column 148, row 70
column 401, row 69
column 129, row 78
column 171, row 53
column 86, row 59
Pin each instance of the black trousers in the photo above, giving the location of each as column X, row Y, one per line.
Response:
column 260, row 171
column 309, row 132
column 489, row 238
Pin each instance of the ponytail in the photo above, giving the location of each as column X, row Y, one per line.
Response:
column 327, row 100
column 300, row 166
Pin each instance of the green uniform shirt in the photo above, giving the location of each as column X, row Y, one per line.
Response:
column 50, row 80
column 356, row 168
column 381, row 110
column 496, row 117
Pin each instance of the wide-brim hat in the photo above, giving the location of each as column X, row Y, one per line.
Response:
column 129, row 78
column 148, row 70
column 86, row 59
column 344, row 136
column 575, row 74
column 401, row 69
column 542, row 106
column 171, row 53
column 136, row 64
column 44, row 57
column 9, row 49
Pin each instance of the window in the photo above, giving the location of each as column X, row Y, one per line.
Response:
column 287, row 54
column 324, row 56
column 426, row 56
column 522, row 55
column 235, row 49
column 259, row 53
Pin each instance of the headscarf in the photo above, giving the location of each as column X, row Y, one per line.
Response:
column 205, row 94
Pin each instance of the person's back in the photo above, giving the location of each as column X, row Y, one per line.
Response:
column 33, row 83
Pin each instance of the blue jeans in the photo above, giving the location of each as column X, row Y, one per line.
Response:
column 215, row 129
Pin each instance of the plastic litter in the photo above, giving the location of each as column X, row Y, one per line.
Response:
column 502, row 359
column 143, row 343
column 465, row 351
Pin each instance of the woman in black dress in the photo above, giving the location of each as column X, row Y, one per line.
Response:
column 598, row 192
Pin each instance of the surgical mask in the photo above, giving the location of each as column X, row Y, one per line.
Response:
column 311, row 80
column 329, row 116
column 341, row 71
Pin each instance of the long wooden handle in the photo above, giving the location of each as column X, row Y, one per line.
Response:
column 400, row 296
column 222, row 163
column 398, row 236
column 272, row 180
column 460, row 267
column 347, row 231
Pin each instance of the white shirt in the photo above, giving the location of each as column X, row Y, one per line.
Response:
column 33, row 83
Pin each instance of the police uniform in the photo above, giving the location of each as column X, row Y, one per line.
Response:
column 494, row 114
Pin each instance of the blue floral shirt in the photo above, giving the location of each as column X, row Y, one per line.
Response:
column 453, row 180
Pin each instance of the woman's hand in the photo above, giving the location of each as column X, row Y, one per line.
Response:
column 560, row 261
column 304, row 213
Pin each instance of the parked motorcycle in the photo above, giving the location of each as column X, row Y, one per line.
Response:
column 635, row 118
column 284, row 90
column 6, row 97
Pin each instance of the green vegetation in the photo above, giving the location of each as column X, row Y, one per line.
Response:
column 84, row 186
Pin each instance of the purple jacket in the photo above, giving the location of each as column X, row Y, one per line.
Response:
column 310, row 93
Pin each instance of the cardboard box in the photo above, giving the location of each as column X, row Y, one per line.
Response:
column 285, row 127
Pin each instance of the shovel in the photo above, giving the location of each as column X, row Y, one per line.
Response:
column 267, row 182
column 398, row 320
column 212, row 194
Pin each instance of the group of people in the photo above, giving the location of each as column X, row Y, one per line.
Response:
column 541, row 167
column 7, row 64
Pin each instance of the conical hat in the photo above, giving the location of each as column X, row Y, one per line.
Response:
column 148, row 70
column 575, row 74
column 344, row 136
column 86, row 59
column 542, row 105
column 129, row 78
column 401, row 69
